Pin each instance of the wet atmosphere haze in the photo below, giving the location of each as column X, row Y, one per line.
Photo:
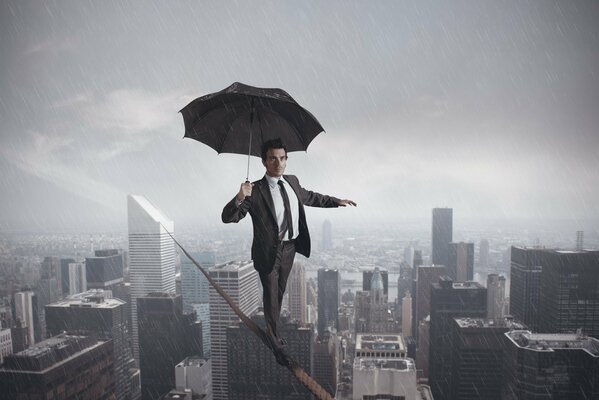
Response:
column 490, row 108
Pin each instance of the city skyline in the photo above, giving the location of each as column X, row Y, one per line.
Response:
column 485, row 108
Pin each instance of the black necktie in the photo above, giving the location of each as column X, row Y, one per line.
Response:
column 287, row 224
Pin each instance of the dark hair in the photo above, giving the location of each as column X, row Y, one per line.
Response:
column 272, row 144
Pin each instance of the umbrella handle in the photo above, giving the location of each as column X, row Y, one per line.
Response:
column 247, row 177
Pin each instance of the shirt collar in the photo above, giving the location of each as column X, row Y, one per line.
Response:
column 273, row 182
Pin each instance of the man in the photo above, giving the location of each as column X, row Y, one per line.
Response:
column 276, row 204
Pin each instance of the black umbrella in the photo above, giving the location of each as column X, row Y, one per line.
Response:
column 240, row 118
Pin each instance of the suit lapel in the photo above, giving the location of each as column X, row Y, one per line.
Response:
column 264, row 189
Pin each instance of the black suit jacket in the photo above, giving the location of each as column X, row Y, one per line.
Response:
column 261, row 208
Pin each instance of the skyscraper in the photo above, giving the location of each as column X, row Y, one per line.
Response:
column 551, row 366
column 426, row 276
column 442, row 235
column 105, row 269
column 106, row 317
column 495, row 296
column 460, row 264
column 478, row 346
column 328, row 299
column 77, row 280
column 367, row 279
column 296, row 288
column 525, row 280
column 49, row 290
column 408, row 256
column 253, row 372
column 166, row 337
column 151, row 255
column 406, row 316
column 240, row 280
column 450, row 300
column 24, row 312
column 483, row 254
column 372, row 309
column 327, row 235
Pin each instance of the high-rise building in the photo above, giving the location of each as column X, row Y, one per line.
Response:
column 195, row 374
column 551, row 366
column 327, row 235
column 62, row 367
column 418, row 260
column 406, row 315
column 5, row 343
column 195, row 291
column 579, row 240
column 77, row 280
column 450, row 300
column 166, row 337
column 483, row 254
column 404, row 281
column 151, row 255
column 48, row 291
column 460, row 265
column 329, row 285
column 426, row 276
column 105, row 270
column 495, row 296
column 95, row 311
column 240, row 281
column 367, row 279
column 478, row 346
column 253, row 372
column 408, row 256
column 569, row 292
column 442, row 235
column 296, row 288
column 384, row 378
column 372, row 308
column 525, row 284
column 24, row 313
column 327, row 360
column 64, row 273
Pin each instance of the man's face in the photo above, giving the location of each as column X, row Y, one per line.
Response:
column 275, row 163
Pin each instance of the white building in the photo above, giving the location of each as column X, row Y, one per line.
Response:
column 296, row 288
column 77, row 278
column 195, row 374
column 384, row 378
column 151, row 255
column 24, row 312
column 406, row 315
column 5, row 343
column 240, row 281
column 495, row 296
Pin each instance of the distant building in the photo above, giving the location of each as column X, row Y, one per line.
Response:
column 240, row 281
column 372, row 312
column 460, row 265
column 426, row 276
column 77, row 280
column 5, row 343
column 24, row 312
column 62, row 367
column 450, row 300
column 329, row 286
column 64, row 273
column 477, row 359
column 406, row 316
column 195, row 291
column 296, row 288
column 327, row 235
column 367, row 279
column 442, row 235
column 105, row 270
column 495, row 296
column 195, row 374
column 551, row 366
column 384, row 378
column 408, row 256
column 483, row 254
column 48, row 291
column 95, row 311
column 253, row 372
column 166, row 337
column 151, row 255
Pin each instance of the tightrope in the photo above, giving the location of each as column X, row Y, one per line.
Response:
column 294, row 367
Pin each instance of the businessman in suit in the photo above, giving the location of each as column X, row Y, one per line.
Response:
column 276, row 204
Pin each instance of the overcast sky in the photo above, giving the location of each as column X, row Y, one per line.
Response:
column 489, row 107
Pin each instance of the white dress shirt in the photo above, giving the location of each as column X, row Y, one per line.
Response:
column 277, row 199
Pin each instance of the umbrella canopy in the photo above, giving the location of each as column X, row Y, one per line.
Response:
column 240, row 118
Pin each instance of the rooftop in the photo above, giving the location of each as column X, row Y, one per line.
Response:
column 231, row 266
column 554, row 341
column 93, row 298
column 400, row 364
column 467, row 322
column 368, row 341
